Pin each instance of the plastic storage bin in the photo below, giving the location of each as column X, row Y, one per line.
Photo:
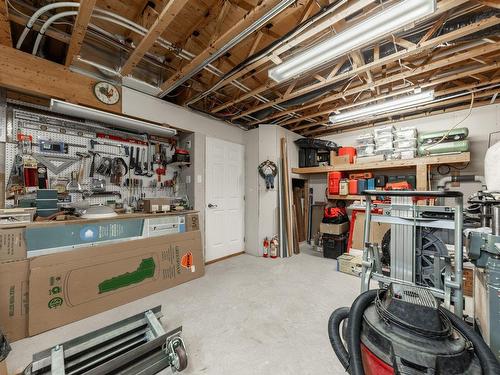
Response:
column 383, row 131
column 365, row 150
column 405, row 133
column 405, row 143
column 365, row 139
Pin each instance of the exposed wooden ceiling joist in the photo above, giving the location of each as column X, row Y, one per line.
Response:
column 391, row 78
column 79, row 29
column 165, row 18
column 5, row 33
column 237, row 28
column 409, row 51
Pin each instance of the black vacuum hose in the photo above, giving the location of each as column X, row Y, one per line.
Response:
column 487, row 359
column 354, row 326
column 335, row 337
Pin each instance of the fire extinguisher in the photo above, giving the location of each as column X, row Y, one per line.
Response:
column 266, row 248
column 274, row 247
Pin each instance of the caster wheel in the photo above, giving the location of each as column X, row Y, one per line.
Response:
column 181, row 361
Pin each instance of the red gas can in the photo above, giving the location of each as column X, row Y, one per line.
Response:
column 334, row 182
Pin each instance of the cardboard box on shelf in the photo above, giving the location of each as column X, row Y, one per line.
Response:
column 14, row 299
column 70, row 286
column 12, row 243
column 152, row 205
column 334, row 228
column 339, row 160
column 377, row 231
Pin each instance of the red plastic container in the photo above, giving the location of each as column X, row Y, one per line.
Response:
column 353, row 187
column 350, row 151
column 334, row 182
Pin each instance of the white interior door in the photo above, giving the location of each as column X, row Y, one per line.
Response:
column 224, row 210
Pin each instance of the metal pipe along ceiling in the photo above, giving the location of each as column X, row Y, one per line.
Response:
column 233, row 42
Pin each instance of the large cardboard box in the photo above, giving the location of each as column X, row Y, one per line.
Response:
column 12, row 243
column 377, row 232
column 14, row 299
column 70, row 286
column 334, row 228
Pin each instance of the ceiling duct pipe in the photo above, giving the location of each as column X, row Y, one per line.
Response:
column 280, row 7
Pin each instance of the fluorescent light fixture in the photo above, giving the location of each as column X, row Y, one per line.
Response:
column 384, row 107
column 372, row 29
column 118, row 121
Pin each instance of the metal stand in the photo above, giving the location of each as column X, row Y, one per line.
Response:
column 404, row 212
column 136, row 345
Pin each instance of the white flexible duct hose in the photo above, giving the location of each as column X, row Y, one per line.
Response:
column 57, row 16
column 37, row 14
column 47, row 24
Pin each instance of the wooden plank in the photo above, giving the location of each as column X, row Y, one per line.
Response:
column 306, row 208
column 286, row 191
column 79, row 29
column 463, row 157
column 5, row 34
column 421, row 175
column 20, row 71
column 241, row 25
column 168, row 14
column 296, row 246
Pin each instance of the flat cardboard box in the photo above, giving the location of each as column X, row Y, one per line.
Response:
column 334, row 228
column 377, row 232
column 69, row 286
column 3, row 368
column 14, row 299
column 339, row 160
column 12, row 244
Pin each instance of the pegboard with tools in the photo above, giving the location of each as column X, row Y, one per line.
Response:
column 86, row 161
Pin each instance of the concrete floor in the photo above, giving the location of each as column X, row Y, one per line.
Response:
column 247, row 315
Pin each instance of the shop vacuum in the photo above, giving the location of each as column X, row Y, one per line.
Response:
column 403, row 330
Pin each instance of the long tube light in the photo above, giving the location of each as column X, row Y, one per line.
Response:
column 372, row 29
column 123, row 122
column 384, row 107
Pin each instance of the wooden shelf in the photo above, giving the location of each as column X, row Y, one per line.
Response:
column 463, row 157
column 346, row 197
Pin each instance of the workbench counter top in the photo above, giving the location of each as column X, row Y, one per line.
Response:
column 137, row 215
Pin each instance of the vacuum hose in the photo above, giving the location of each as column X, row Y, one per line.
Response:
column 334, row 333
column 350, row 357
column 486, row 357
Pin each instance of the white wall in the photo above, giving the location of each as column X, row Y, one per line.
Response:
column 147, row 107
column 262, row 221
column 481, row 123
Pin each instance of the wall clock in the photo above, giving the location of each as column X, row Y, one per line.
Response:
column 106, row 93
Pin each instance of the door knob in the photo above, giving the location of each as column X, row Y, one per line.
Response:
column 210, row 205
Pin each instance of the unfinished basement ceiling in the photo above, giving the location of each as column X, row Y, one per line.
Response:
column 455, row 52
